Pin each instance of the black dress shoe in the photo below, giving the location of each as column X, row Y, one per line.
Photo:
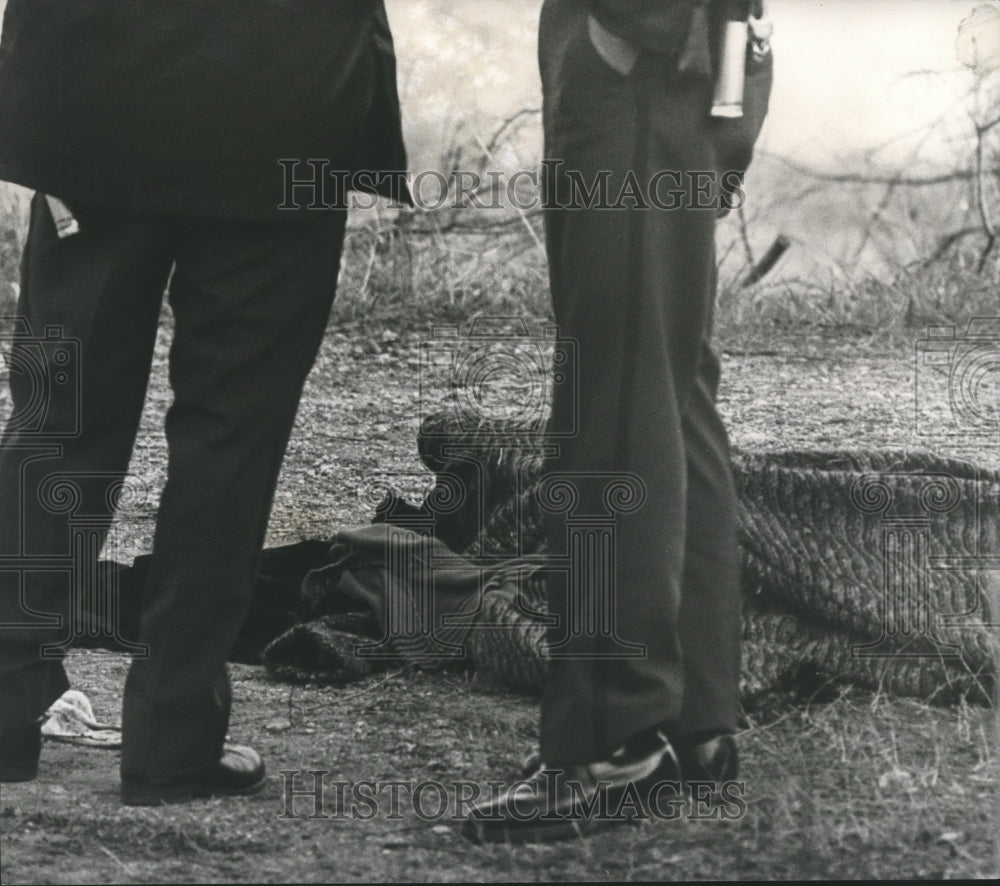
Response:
column 714, row 758
column 20, row 749
column 240, row 772
column 707, row 764
column 557, row 803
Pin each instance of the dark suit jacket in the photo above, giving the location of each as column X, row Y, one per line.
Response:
column 663, row 27
column 186, row 106
column 657, row 25
column 660, row 26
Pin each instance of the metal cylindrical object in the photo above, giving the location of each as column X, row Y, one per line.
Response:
column 728, row 99
column 66, row 224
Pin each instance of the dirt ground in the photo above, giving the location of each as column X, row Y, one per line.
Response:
column 860, row 786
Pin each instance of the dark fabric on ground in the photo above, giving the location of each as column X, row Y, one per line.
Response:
column 812, row 529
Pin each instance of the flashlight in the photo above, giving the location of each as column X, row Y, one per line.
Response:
column 728, row 98
column 66, row 223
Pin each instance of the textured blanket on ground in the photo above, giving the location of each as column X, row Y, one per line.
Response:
column 872, row 568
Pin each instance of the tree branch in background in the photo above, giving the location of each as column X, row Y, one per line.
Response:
column 522, row 213
column 890, row 190
column 745, row 236
column 985, row 215
column 858, row 178
column 515, row 120
column 947, row 241
column 978, row 170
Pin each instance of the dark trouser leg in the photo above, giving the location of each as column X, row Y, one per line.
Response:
column 633, row 287
column 251, row 303
column 77, row 400
column 709, row 622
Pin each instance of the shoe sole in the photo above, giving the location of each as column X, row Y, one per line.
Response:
column 490, row 830
column 162, row 795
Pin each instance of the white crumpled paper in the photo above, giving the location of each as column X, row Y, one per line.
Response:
column 71, row 719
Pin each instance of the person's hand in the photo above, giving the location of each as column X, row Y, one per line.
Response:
column 761, row 31
column 618, row 54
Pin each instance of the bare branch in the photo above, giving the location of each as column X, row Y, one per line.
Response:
column 460, row 221
column 985, row 215
column 520, row 209
column 949, row 240
column 986, row 127
column 992, row 242
column 745, row 236
column 865, row 179
column 518, row 118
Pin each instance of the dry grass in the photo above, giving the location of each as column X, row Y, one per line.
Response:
column 390, row 273
column 13, row 226
column 861, row 786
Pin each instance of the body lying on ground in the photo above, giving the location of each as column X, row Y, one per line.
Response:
column 858, row 568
